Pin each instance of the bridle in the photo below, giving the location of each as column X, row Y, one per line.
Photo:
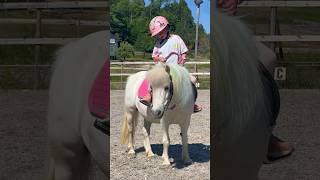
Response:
column 169, row 98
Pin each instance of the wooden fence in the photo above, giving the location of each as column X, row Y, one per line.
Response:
column 38, row 8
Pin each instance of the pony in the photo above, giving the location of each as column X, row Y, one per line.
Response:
column 72, row 138
column 172, row 103
column 246, row 102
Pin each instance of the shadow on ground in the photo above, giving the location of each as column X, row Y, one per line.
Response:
column 198, row 152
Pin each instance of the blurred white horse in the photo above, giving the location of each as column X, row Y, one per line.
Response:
column 73, row 140
column 246, row 102
column 172, row 103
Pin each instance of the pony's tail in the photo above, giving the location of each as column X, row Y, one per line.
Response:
column 132, row 116
column 51, row 169
column 238, row 87
column 125, row 130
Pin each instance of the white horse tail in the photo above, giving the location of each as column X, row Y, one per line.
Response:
column 130, row 121
column 51, row 169
column 125, row 130
column 242, row 111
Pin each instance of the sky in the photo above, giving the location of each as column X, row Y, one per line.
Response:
column 204, row 12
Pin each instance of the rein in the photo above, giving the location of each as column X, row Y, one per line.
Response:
column 166, row 106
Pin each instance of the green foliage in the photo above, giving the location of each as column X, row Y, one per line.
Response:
column 130, row 22
column 125, row 50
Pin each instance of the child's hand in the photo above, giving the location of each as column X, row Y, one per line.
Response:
column 159, row 59
column 162, row 59
column 229, row 6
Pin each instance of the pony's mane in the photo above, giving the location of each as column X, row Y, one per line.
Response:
column 180, row 79
column 238, row 85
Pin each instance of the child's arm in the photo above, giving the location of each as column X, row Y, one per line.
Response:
column 182, row 58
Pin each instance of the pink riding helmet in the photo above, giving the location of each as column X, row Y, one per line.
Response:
column 157, row 24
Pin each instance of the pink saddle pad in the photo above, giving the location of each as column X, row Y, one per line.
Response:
column 99, row 97
column 143, row 89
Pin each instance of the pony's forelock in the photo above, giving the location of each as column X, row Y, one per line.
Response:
column 158, row 76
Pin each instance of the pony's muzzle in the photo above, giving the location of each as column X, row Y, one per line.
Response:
column 158, row 113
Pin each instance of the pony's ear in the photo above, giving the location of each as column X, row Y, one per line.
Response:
column 167, row 68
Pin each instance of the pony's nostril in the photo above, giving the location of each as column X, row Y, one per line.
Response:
column 157, row 112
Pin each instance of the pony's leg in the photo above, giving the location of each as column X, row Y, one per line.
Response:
column 146, row 133
column 184, row 131
column 132, row 118
column 165, row 141
column 71, row 163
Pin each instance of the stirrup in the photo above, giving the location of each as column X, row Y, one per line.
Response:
column 103, row 126
column 148, row 104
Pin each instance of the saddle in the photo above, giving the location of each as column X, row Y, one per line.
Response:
column 99, row 99
column 143, row 88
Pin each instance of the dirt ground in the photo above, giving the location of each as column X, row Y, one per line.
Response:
column 140, row 167
column 23, row 135
column 298, row 122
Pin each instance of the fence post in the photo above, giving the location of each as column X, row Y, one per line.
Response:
column 273, row 16
column 78, row 27
column 121, row 76
column 37, row 50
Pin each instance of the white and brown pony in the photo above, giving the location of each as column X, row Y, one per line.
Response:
column 172, row 103
column 73, row 140
column 246, row 102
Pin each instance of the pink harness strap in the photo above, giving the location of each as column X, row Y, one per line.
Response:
column 99, row 96
column 143, row 89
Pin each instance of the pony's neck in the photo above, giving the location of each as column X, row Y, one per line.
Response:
column 180, row 86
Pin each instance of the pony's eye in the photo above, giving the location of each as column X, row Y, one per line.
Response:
column 166, row 88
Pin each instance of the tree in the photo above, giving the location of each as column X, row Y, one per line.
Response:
column 144, row 43
column 125, row 50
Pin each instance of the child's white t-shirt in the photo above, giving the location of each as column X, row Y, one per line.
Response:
column 174, row 45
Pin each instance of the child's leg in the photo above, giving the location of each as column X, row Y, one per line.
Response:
column 267, row 57
column 193, row 80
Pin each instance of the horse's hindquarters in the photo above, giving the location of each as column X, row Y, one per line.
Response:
column 72, row 136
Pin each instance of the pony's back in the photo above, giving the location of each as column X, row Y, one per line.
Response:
column 241, row 110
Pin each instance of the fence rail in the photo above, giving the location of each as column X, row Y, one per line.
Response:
column 289, row 38
column 151, row 63
column 280, row 4
column 36, row 41
column 54, row 22
column 54, row 5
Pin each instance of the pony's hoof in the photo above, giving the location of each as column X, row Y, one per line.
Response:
column 150, row 155
column 166, row 164
column 132, row 154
